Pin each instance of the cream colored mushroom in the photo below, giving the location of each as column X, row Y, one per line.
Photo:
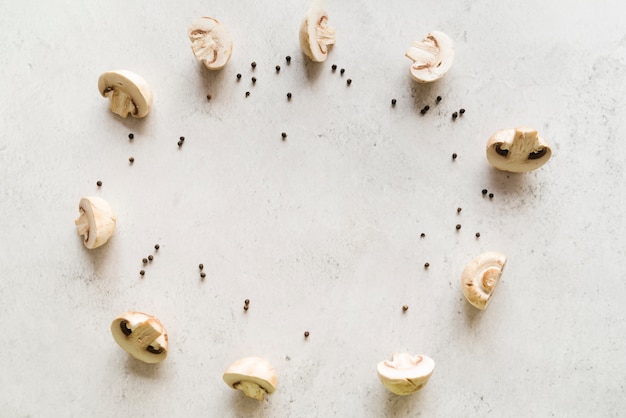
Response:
column 480, row 278
column 254, row 376
column 128, row 93
column 517, row 150
column 96, row 222
column 432, row 57
column 141, row 335
column 210, row 42
column 405, row 373
column 316, row 34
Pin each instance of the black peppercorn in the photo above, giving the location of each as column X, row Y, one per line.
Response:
column 405, row 308
column 180, row 143
column 393, row 102
column 438, row 99
column 454, row 156
column 142, row 272
column 478, row 235
column 278, row 68
column 203, row 275
column 201, row 266
column 247, row 93
column 334, row 67
column 98, row 183
column 246, row 302
column 145, row 260
column 484, row 191
column 131, row 159
column 461, row 111
column 490, row 195
column 150, row 258
column 253, row 80
column 182, row 138
column 349, row 81
column 342, row 71
column 454, row 115
column 422, row 235
column 426, row 265
column 253, row 64
column 238, row 76
column 157, row 246
column 288, row 59
column 245, row 308
column 131, row 136
column 458, row 226
column 306, row 334
column 458, row 210
column 288, row 96
column 284, row 135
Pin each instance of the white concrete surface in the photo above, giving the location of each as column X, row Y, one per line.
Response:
column 322, row 231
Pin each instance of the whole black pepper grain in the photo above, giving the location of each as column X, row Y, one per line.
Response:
column 157, row 246
column 245, row 308
column 150, row 258
column 306, row 334
column 393, row 102
column 253, row 80
column 142, row 272
column 182, row 138
column 131, row 136
column 461, row 111
column 458, row 226
column 405, row 308
column 458, row 210
column 253, row 64
column 343, row 70
column 180, row 143
column 201, row 266
column 238, row 76
column 349, row 81
column 283, row 135
column 288, row 96
column 203, row 275
column 426, row 265
column 490, row 195
column 131, row 160
column 454, row 156
column 455, row 115
column 334, row 67
column 278, row 68
column 438, row 99
column 288, row 59
column 422, row 235
column 478, row 235
column 246, row 302
column 484, row 192
column 145, row 261
column 98, row 183
column 247, row 93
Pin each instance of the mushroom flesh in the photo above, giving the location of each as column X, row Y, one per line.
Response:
column 480, row 278
column 128, row 93
column 96, row 222
column 432, row 57
column 405, row 373
column 316, row 34
column 141, row 335
column 254, row 376
column 517, row 150
column 210, row 42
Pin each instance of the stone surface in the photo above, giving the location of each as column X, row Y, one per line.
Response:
column 321, row 231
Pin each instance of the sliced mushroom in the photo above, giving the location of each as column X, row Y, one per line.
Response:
column 517, row 150
column 432, row 57
column 315, row 34
column 141, row 335
column 128, row 93
column 210, row 42
column 480, row 278
column 96, row 222
column 253, row 376
column 405, row 373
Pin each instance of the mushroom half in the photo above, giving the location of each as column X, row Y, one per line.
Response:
column 432, row 57
column 316, row 34
column 210, row 42
column 517, row 150
column 405, row 373
column 141, row 335
column 254, row 376
column 480, row 278
column 96, row 222
column 128, row 93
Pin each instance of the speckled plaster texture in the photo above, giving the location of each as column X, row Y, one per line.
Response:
column 320, row 231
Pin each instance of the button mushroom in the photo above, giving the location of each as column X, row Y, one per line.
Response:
column 141, row 335
column 517, row 150
column 405, row 373
column 210, row 42
column 96, row 222
column 480, row 278
column 432, row 57
column 128, row 93
column 253, row 376
column 315, row 34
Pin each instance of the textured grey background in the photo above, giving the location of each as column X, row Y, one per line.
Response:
column 322, row 231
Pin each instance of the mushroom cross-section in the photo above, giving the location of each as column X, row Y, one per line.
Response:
column 254, row 376
column 432, row 57
column 141, row 335
column 316, row 34
column 128, row 93
column 210, row 42
column 480, row 278
column 96, row 222
column 517, row 150
column 405, row 373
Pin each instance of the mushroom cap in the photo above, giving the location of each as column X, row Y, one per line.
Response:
column 405, row 373
column 130, row 83
column 517, row 150
column 210, row 42
column 480, row 278
column 100, row 218
column 141, row 335
column 432, row 57
column 255, row 370
column 315, row 35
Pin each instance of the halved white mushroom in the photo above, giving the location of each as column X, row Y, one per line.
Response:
column 128, row 93
column 210, row 42
column 480, row 278
column 315, row 34
column 254, row 376
column 405, row 373
column 517, row 150
column 96, row 222
column 141, row 335
column 432, row 57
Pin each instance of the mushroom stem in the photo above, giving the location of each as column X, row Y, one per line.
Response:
column 121, row 103
column 82, row 224
column 423, row 53
column 251, row 390
column 325, row 34
column 146, row 333
column 205, row 48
